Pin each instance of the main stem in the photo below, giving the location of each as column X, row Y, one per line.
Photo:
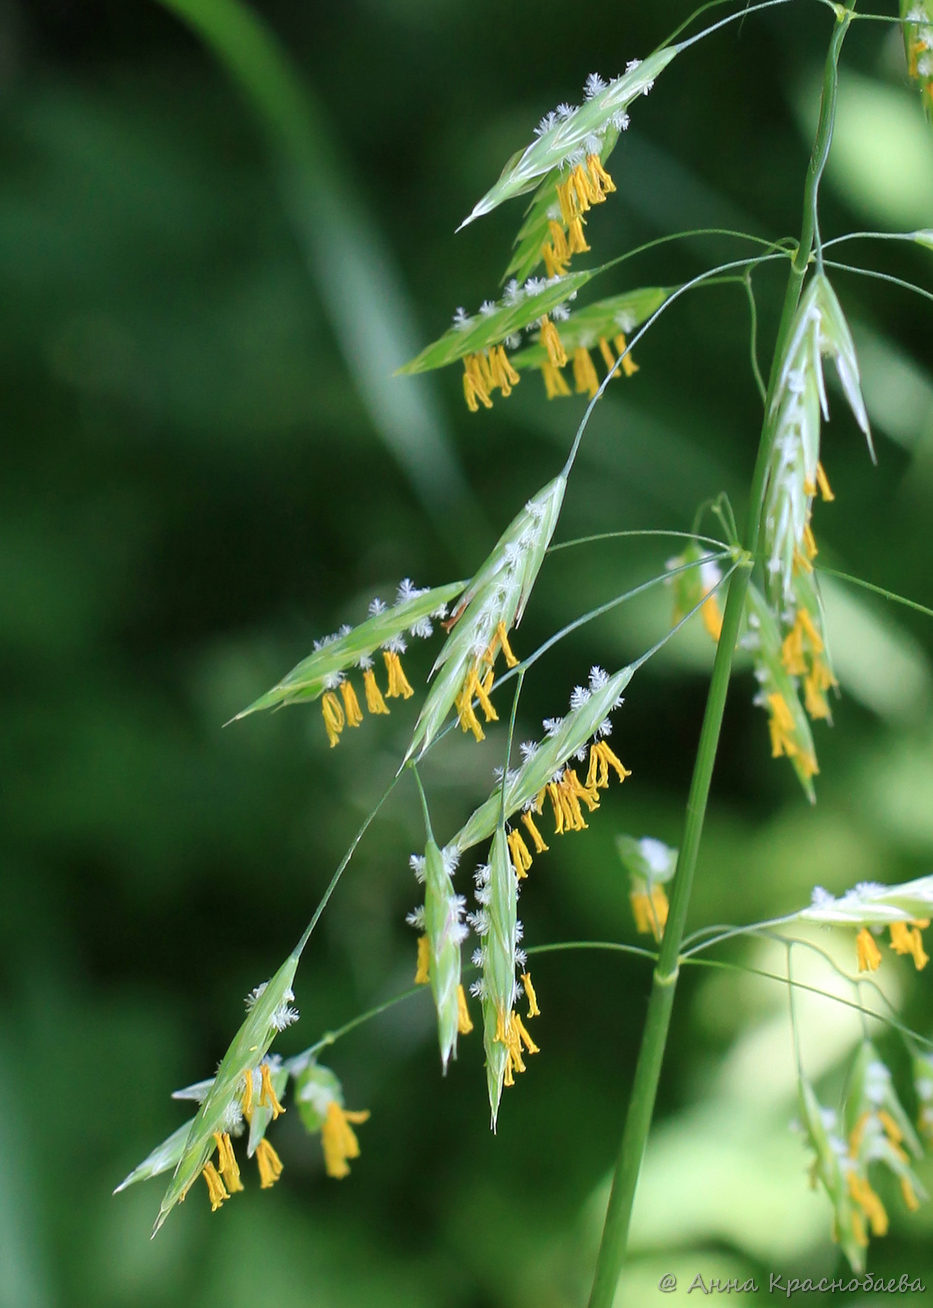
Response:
column 664, row 981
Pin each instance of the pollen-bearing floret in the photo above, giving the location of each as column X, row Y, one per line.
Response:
column 651, row 865
column 870, row 908
column 320, row 1103
column 695, row 579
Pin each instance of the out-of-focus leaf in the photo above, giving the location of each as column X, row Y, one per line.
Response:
column 346, row 255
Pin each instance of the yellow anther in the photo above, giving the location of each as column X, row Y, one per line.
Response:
column 334, row 718
column 869, row 1203
column 226, row 1162
column 533, row 1009
column 481, row 690
column 567, row 201
column 586, row 793
column 650, row 909
column 518, row 1027
column 398, row 682
column 570, row 804
column 269, row 1164
column 521, row 858
column 712, row 617
column 422, row 970
column 554, row 266
column 464, row 1022
column 608, row 357
column 586, row 193
column 351, row 704
column 906, row 939
column 891, row 1128
column 503, row 374
column 602, row 759
column 267, row 1095
column 510, row 660
column 554, row 383
column 559, row 241
column 465, row 711
column 553, row 795
column 584, row 374
column 550, row 339
column 601, row 180
column 475, row 389
column 629, row 366
column 374, row 701
column 529, row 823
column 215, row 1186
column 575, row 238
column 823, row 482
column 911, row 1202
column 867, row 952
column 339, row 1140
column 781, row 726
column 246, row 1099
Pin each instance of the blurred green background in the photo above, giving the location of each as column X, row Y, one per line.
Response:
column 208, row 465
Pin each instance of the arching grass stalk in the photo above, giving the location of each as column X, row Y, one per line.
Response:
column 612, row 1250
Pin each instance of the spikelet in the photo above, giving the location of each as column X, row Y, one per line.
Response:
column 228, row 1097
column 323, row 671
column 794, row 471
column 568, row 136
column 821, row 1130
column 564, row 740
column 492, row 603
column 475, row 338
column 257, row 1102
column 496, row 923
column 488, row 342
column 904, row 909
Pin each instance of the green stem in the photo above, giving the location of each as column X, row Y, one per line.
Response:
column 614, row 1242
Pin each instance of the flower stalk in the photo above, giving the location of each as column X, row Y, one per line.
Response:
column 612, row 1250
